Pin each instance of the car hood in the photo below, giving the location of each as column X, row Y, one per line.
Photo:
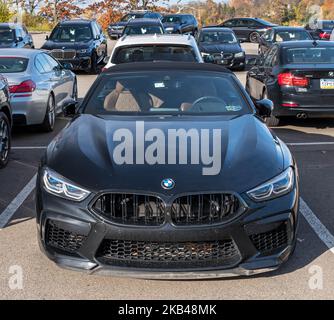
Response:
column 171, row 25
column 50, row 45
column 119, row 24
column 218, row 48
column 83, row 153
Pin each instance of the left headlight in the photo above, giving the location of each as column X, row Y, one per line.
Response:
column 240, row 54
column 274, row 188
column 59, row 186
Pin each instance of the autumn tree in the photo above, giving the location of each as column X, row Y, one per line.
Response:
column 61, row 9
column 5, row 14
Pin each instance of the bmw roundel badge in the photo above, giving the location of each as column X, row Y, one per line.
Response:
column 168, row 184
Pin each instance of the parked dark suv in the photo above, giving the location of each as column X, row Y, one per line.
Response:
column 14, row 35
column 321, row 30
column 5, row 122
column 115, row 30
column 78, row 42
column 248, row 29
column 180, row 23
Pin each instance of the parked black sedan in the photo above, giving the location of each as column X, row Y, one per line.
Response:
column 248, row 29
column 13, row 35
column 321, row 29
column 223, row 46
column 222, row 194
column 78, row 42
column 280, row 34
column 115, row 30
column 298, row 77
column 143, row 26
column 180, row 24
column 6, row 122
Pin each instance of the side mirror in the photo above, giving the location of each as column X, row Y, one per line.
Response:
column 19, row 39
column 98, row 37
column 208, row 59
column 69, row 108
column 67, row 66
column 47, row 38
column 265, row 107
column 106, row 60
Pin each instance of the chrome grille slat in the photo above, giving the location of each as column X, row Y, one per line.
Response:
column 64, row 54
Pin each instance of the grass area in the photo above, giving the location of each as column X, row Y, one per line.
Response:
column 41, row 28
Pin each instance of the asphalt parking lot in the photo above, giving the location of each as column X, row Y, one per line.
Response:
column 309, row 274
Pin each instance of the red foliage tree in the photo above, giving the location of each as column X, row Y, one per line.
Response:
column 60, row 9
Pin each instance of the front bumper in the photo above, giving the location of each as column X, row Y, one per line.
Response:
column 260, row 220
column 115, row 34
column 231, row 62
column 79, row 63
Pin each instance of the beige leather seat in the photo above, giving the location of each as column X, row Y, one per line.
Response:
column 122, row 100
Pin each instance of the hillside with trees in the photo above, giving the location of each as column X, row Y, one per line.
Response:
column 43, row 14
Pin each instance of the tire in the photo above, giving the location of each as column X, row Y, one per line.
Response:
column 272, row 121
column 50, row 115
column 254, row 37
column 75, row 90
column 94, row 69
column 5, row 140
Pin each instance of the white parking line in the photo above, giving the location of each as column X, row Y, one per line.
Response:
column 8, row 213
column 311, row 144
column 322, row 232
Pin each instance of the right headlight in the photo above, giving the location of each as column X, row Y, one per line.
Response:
column 277, row 187
column 57, row 185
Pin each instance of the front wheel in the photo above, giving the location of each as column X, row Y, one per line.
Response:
column 5, row 140
column 272, row 121
column 50, row 115
column 254, row 37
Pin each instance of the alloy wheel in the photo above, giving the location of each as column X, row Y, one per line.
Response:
column 4, row 140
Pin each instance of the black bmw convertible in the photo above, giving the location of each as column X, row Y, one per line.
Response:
column 168, row 171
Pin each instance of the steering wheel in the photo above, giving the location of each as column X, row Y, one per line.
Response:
column 3, row 67
column 196, row 107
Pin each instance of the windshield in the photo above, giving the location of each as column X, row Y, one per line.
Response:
column 72, row 34
column 218, row 37
column 154, row 53
column 327, row 25
column 130, row 16
column 132, row 30
column 264, row 22
column 7, row 35
column 171, row 19
column 166, row 92
column 292, row 36
column 309, row 55
column 13, row 64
